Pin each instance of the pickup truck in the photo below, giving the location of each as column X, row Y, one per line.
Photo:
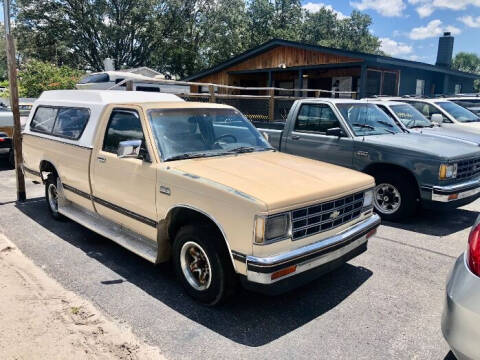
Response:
column 197, row 184
column 409, row 169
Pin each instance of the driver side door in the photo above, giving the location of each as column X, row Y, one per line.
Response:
column 124, row 188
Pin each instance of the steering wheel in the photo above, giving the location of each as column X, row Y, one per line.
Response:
column 226, row 136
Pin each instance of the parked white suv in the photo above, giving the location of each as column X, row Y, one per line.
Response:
column 441, row 110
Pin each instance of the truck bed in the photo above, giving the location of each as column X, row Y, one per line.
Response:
column 274, row 130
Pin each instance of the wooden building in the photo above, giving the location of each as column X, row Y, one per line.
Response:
column 288, row 64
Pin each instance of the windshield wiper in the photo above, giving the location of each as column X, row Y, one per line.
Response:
column 187, row 156
column 365, row 126
column 242, row 149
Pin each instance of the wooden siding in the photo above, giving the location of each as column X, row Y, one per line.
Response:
column 288, row 55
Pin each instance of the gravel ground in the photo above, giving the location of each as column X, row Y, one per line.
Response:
column 385, row 303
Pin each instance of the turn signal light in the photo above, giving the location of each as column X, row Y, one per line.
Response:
column 473, row 254
column 453, row 197
column 283, row 272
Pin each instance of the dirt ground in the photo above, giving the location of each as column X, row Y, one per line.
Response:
column 39, row 319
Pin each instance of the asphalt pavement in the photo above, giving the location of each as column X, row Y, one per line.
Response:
column 386, row 303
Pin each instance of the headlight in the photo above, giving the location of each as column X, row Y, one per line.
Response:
column 272, row 228
column 447, row 171
column 368, row 198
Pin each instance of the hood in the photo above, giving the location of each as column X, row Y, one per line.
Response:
column 470, row 125
column 422, row 144
column 278, row 180
column 452, row 133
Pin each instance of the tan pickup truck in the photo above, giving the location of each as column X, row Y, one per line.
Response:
column 197, row 183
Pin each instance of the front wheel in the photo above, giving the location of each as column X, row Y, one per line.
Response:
column 202, row 265
column 394, row 197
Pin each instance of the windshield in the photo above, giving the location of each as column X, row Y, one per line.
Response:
column 188, row 133
column 367, row 119
column 410, row 117
column 459, row 113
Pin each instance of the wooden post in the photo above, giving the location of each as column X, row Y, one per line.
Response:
column 211, row 90
column 317, row 93
column 129, row 84
column 12, row 79
column 271, row 105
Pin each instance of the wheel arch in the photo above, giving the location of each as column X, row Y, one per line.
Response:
column 377, row 168
column 181, row 215
column 47, row 167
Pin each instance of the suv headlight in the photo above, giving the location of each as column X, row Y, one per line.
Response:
column 447, row 171
column 368, row 199
column 272, row 228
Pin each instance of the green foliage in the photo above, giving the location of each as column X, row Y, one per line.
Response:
column 179, row 37
column 469, row 62
column 37, row 76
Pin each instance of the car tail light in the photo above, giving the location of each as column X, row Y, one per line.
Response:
column 2, row 139
column 473, row 254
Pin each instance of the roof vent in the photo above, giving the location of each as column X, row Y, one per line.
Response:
column 445, row 50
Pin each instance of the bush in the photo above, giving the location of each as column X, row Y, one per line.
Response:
column 37, row 76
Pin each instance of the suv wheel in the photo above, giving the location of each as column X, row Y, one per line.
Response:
column 202, row 265
column 394, row 198
column 51, row 196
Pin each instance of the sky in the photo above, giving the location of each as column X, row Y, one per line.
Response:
column 410, row 29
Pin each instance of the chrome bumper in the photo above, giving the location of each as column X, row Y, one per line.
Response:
column 461, row 313
column 260, row 269
column 455, row 192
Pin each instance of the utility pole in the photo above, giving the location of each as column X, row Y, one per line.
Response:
column 12, row 79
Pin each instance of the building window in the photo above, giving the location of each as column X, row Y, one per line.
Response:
column 420, row 90
column 458, row 88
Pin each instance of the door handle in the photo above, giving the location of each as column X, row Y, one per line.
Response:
column 101, row 159
column 295, row 137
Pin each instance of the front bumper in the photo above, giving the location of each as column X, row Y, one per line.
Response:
column 456, row 193
column 461, row 313
column 316, row 258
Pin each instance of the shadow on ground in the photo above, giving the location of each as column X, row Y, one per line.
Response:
column 437, row 223
column 250, row 319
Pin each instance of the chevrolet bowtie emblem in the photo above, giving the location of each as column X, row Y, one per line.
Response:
column 334, row 214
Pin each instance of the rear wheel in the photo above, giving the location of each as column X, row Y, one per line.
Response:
column 202, row 264
column 51, row 196
column 394, row 197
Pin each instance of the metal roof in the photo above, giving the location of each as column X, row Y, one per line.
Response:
column 371, row 59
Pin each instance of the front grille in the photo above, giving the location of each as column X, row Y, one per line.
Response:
column 468, row 168
column 326, row 216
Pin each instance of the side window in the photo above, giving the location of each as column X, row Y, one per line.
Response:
column 44, row 119
column 316, row 118
column 71, row 122
column 123, row 125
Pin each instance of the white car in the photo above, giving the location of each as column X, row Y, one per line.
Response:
column 470, row 102
column 440, row 110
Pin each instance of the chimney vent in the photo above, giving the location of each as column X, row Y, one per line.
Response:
column 445, row 50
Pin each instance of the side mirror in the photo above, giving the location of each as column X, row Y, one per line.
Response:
column 437, row 118
column 265, row 135
column 129, row 149
column 335, row 132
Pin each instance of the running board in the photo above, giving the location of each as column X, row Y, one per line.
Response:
column 107, row 228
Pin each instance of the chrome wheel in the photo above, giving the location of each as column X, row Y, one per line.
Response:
column 387, row 198
column 195, row 266
column 53, row 197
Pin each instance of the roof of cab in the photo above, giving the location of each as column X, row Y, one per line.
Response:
column 105, row 97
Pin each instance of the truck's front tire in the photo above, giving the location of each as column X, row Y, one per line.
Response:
column 51, row 196
column 394, row 197
column 201, row 264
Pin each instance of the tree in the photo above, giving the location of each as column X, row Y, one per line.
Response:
column 82, row 33
column 37, row 76
column 469, row 62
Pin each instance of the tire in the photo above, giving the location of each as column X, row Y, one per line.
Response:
column 50, row 191
column 11, row 158
column 395, row 197
column 206, row 245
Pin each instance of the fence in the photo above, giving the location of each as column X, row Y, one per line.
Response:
column 273, row 105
